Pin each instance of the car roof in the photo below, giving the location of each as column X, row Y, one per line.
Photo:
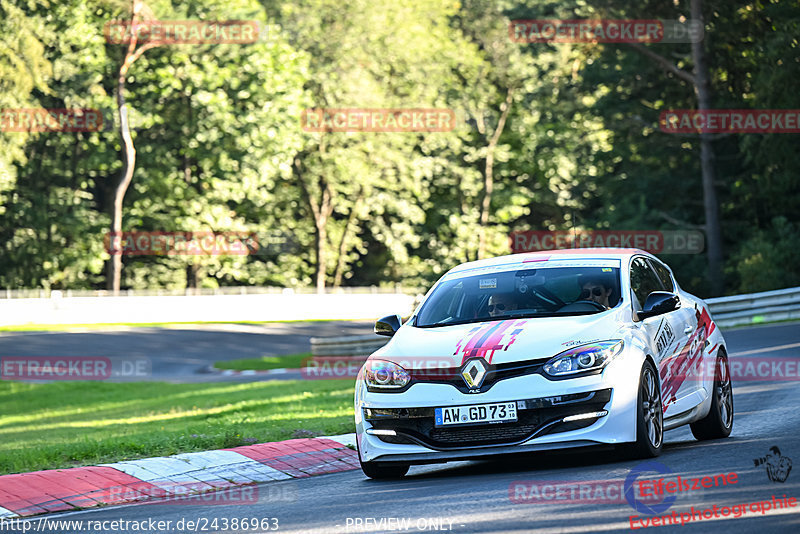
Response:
column 545, row 255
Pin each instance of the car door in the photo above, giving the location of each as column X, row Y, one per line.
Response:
column 664, row 332
column 686, row 388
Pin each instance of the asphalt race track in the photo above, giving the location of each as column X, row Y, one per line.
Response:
column 475, row 497
column 180, row 353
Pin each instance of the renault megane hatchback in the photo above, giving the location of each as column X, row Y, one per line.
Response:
column 541, row 351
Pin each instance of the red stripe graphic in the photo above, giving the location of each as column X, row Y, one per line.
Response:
column 461, row 341
column 478, row 339
column 688, row 361
column 489, row 338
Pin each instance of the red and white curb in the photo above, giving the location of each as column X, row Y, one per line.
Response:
column 192, row 473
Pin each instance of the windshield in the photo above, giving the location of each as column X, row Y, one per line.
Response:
column 527, row 292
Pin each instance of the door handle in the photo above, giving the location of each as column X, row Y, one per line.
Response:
column 688, row 329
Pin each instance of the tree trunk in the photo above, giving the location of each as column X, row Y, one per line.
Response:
column 488, row 175
column 321, row 210
column 340, row 260
column 114, row 274
column 710, row 202
column 700, row 80
column 321, row 244
column 114, row 268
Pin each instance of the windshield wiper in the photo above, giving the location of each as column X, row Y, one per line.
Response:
column 526, row 315
column 448, row 323
column 521, row 315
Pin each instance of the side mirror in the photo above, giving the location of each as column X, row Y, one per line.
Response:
column 387, row 326
column 659, row 303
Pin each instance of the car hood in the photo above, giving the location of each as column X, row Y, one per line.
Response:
column 499, row 342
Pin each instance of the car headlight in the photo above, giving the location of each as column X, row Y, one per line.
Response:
column 385, row 375
column 584, row 358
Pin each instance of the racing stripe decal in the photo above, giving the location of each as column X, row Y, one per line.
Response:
column 485, row 340
column 688, row 361
column 474, row 348
column 461, row 341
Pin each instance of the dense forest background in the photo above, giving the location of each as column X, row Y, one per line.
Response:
column 549, row 137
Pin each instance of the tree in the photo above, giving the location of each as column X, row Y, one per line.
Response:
column 139, row 14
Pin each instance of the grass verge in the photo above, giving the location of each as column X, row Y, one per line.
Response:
column 68, row 424
column 286, row 361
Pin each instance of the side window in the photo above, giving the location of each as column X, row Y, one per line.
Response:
column 643, row 280
column 663, row 275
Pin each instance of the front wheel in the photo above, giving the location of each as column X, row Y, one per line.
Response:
column 381, row 470
column 719, row 421
column 649, row 416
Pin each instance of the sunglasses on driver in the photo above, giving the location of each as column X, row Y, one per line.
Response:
column 596, row 291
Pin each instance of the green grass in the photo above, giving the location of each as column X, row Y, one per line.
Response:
column 68, row 424
column 287, row 361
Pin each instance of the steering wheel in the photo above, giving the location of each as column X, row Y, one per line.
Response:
column 597, row 305
column 549, row 294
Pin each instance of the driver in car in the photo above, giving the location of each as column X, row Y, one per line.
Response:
column 501, row 304
column 596, row 290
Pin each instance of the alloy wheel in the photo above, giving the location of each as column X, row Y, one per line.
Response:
column 723, row 392
column 651, row 407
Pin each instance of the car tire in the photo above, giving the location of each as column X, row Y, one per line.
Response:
column 381, row 470
column 649, row 417
column 719, row 421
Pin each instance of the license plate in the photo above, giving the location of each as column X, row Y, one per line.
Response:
column 503, row 412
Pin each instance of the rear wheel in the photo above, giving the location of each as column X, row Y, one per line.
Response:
column 649, row 416
column 719, row 421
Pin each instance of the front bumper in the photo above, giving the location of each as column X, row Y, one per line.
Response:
column 535, row 417
column 540, row 424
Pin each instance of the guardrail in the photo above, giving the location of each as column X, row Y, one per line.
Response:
column 395, row 289
column 738, row 310
column 754, row 308
column 355, row 346
column 201, row 308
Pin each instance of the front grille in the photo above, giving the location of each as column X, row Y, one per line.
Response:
column 494, row 374
column 501, row 434
column 540, row 416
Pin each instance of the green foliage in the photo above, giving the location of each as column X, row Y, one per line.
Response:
column 220, row 145
column 770, row 258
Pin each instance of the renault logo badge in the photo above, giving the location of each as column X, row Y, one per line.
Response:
column 473, row 372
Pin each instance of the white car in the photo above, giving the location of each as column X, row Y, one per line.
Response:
column 537, row 351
